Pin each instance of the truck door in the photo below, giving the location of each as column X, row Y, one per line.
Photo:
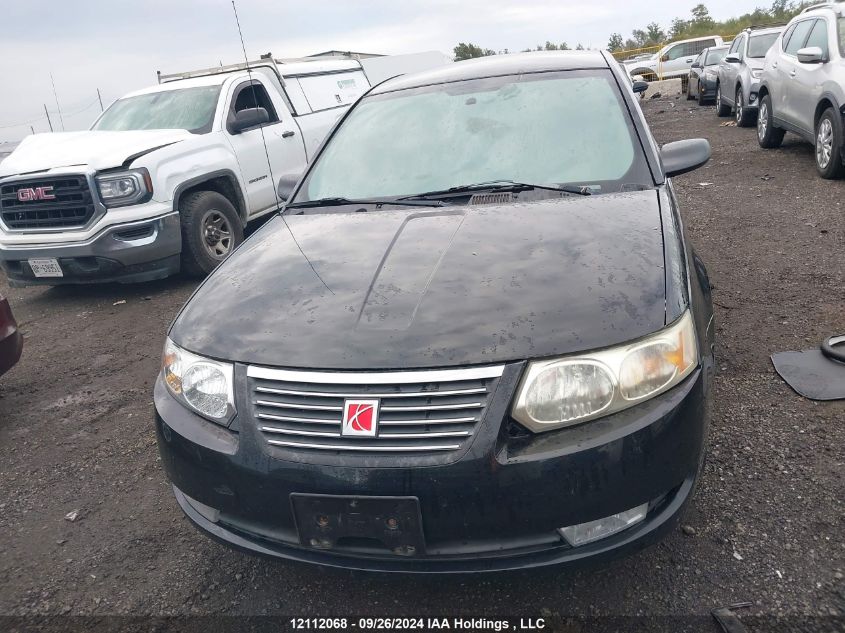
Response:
column 285, row 146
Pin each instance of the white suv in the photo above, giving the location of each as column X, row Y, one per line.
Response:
column 673, row 60
column 802, row 89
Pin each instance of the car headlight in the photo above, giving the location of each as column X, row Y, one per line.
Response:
column 710, row 75
column 575, row 389
column 202, row 384
column 126, row 187
column 756, row 73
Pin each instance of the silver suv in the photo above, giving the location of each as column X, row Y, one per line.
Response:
column 802, row 89
column 739, row 74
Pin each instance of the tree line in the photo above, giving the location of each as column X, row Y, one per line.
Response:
column 699, row 23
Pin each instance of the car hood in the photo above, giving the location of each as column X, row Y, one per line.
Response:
column 435, row 288
column 95, row 150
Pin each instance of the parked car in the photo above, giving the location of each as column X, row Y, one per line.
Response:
column 738, row 81
column 168, row 177
column 803, row 86
column 11, row 341
column 701, row 83
column 673, row 60
column 479, row 348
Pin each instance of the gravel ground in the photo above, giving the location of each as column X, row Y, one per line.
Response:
column 766, row 525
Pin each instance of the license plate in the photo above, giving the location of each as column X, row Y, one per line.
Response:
column 328, row 521
column 47, row 267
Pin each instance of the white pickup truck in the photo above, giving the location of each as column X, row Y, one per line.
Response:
column 167, row 177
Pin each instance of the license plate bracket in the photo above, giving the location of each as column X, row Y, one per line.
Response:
column 323, row 520
column 45, row 267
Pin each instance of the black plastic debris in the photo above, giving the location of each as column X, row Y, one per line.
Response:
column 814, row 373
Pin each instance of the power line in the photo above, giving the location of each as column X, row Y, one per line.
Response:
column 47, row 116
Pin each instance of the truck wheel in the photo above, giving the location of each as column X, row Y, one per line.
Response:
column 721, row 109
column 829, row 145
column 211, row 229
column 768, row 136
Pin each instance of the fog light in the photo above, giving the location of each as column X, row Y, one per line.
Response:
column 753, row 97
column 584, row 533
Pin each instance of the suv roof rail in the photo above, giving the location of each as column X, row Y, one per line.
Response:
column 820, row 5
column 757, row 27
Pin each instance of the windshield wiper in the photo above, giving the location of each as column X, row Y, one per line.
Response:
column 499, row 185
column 338, row 202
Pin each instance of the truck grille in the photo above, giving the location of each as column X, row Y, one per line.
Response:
column 73, row 205
column 418, row 411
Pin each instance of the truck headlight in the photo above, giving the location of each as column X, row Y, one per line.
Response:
column 126, row 187
column 201, row 384
column 571, row 390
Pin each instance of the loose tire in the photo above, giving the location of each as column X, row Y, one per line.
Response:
column 721, row 109
column 829, row 145
column 768, row 136
column 211, row 229
column 744, row 117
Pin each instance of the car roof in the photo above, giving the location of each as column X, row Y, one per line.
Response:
column 497, row 65
column 836, row 7
column 774, row 29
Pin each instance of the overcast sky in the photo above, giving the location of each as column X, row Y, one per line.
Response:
column 117, row 45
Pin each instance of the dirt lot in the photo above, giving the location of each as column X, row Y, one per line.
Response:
column 766, row 526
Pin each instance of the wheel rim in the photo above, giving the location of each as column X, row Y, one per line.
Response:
column 763, row 121
column 739, row 107
column 216, row 234
column 824, row 143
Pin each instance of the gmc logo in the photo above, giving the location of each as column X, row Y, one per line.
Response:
column 30, row 194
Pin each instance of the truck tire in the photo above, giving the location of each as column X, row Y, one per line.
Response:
column 768, row 136
column 829, row 145
column 211, row 229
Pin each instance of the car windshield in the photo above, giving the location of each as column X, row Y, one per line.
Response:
column 759, row 45
column 189, row 109
column 557, row 128
column 714, row 57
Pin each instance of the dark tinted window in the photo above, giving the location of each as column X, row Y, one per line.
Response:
column 798, row 37
column 737, row 43
column 255, row 96
column 759, row 45
column 818, row 36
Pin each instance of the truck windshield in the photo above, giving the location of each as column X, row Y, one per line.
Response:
column 189, row 109
column 759, row 45
column 558, row 128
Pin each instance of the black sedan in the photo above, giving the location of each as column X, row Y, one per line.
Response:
column 703, row 75
column 475, row 339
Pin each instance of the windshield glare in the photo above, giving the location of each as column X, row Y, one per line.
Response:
column 759, row 45
column 545, row 128
column 714, row 57
column 189, row 109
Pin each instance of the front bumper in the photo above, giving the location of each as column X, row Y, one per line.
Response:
column 137, row 251
column 498, row 507
column 707, row 87
column 11, row 341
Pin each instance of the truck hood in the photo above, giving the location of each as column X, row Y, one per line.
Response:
column 95, row 150
column 435, row 288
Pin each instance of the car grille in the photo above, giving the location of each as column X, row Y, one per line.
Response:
column 73, row 205
column 418, row 411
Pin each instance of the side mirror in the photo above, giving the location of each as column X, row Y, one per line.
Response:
column 683, row 156
column 810, row 55
column 665, row 58
column 248, row 118
column 639, row 86
column 732, row 59
column 696, row 66
column 286, row 186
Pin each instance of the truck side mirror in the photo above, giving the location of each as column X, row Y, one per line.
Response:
column 683, row 156
column 248, row 118
column 287, row 183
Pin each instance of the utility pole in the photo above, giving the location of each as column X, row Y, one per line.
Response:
column 48, row 117
column 58, row 107
column 101, row 99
